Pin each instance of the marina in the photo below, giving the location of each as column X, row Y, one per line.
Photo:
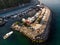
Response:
column 20, row 39
column 32, row 28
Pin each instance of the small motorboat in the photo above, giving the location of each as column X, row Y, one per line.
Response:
column 2, row 21
column 7, row 35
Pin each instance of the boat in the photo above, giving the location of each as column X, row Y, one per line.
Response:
column 2, row 21
column 7, row 35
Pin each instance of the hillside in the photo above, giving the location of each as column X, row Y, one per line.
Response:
column 11, row 3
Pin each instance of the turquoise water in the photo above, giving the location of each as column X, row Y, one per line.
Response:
column 18, row 39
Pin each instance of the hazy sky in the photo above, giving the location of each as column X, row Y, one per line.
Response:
column 51, row 1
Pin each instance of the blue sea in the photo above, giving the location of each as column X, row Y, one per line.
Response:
column 19, row 39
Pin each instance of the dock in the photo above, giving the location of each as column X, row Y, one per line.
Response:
column 39, row 29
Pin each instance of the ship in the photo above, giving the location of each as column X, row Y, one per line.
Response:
column 7, row 35
column 36, row 23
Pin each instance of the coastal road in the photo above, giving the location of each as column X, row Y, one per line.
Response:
column 17, row 10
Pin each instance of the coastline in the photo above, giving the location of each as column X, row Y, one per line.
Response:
column 47, row 23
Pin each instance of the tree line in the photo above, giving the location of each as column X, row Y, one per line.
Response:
column 11, row 3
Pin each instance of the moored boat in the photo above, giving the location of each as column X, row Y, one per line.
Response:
column 2, row 21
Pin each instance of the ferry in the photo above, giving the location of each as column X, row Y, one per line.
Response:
column 7, row 35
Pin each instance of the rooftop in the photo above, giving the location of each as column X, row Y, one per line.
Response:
column 35, row 28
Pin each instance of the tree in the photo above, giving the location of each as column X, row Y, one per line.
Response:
column 11, row 3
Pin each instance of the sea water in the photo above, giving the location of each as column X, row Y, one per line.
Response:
column 19, row 39
column 54, row 5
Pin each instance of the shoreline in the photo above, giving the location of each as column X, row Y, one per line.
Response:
column 45, row 28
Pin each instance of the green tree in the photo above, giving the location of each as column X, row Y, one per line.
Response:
column 11, row 3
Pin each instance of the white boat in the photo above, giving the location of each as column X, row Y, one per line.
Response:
column 7, row 35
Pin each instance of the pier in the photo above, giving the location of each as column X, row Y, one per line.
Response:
column 34, row 30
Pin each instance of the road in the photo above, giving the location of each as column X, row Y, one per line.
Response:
column 17, row 10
